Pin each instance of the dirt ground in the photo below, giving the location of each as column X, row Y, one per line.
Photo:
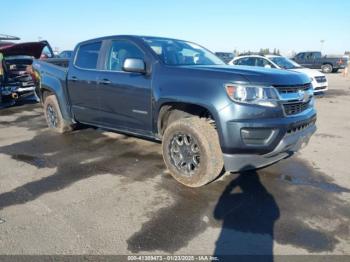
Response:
column 96, row 192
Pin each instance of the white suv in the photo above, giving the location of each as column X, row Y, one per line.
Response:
column 319, row 80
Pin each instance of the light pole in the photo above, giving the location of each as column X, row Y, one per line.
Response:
column 322, row 42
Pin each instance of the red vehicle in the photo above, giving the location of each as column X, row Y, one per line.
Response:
column 16, row 76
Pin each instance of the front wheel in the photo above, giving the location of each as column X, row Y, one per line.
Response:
column 191, row 151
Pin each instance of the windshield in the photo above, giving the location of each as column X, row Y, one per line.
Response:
column 285, row 63
column 177, row 52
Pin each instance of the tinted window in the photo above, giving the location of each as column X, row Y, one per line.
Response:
column 301, row 56
column 88, row 55
column 66, row 54
column 262, row 62
column 284, row 62
column 119, row 51
column 248, row 61
column 317, row 55
column 309, row 56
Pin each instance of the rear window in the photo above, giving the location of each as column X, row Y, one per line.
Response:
column 88, row 55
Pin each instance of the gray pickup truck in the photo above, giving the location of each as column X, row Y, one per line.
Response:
column 316, row 60
column 209, row 116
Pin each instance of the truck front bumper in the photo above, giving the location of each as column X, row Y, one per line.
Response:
column 289, row 144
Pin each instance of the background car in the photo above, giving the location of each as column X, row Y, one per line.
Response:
column 226, row 57
column 17, row 78
column 65, row 54
column 315, row 60
column 319, row 80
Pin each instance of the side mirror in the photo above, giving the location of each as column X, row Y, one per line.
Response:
column 267, row 66
column 134, row 65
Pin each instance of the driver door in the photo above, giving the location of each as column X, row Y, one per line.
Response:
column 125, row 97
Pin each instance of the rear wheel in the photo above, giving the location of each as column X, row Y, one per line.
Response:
column 327, row 68
column 53, row 115
column 191, row 151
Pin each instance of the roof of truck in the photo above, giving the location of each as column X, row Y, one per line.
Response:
column 140, row 37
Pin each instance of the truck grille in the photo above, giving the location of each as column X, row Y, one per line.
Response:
column 320, row 79
column 292, row 89
column 295, row 108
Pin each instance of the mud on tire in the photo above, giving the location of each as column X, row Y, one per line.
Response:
column 191, row 151
column 53, row 115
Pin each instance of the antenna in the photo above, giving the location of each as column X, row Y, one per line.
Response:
column 8, row 37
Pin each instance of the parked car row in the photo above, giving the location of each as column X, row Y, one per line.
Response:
column 319, row 80
column 308, row 63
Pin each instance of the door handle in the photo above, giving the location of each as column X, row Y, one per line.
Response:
column 74, row 78
column 104, row 82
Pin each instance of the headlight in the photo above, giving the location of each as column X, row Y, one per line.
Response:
column 258, row 95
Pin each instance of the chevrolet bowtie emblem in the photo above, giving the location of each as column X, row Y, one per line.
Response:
column 303, row 96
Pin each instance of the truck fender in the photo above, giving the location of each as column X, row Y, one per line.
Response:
column 191, row 102
column 54, row 85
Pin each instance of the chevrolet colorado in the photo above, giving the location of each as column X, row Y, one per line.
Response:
column 209, row 116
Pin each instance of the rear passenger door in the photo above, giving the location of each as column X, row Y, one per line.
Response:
column 316, row 60
column 125, row 96
column 309, row 60
column 82, row 83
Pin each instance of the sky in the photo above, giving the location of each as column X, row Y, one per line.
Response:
column 220, row 25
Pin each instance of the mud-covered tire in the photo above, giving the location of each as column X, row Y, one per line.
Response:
column 53, row 115
column 207, row 166
column 327, row 68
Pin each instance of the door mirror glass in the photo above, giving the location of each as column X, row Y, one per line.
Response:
column 134, row 65
column 267, row 66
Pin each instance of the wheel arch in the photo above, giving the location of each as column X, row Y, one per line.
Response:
column 188, row 109
column 328, row 63
column 54, row 86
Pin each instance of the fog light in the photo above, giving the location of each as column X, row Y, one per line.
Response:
column 253, row 136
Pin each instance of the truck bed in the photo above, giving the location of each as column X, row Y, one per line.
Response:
column 52, row 68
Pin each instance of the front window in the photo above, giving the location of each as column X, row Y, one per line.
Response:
column 177, row 52
column 285, row 63
column 119, row 51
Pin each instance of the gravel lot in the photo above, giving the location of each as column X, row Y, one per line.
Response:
column 96, row 192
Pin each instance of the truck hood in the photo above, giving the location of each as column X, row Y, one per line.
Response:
column 259, row 75
column 28, row 49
